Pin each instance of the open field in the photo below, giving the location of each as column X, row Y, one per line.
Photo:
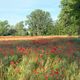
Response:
column 40, row 58
column 32, row 37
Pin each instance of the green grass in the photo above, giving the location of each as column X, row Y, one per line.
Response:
column 37, row 60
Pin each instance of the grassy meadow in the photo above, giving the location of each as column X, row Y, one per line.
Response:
column 40, row 59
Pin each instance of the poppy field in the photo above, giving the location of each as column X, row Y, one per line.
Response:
column 40, row 59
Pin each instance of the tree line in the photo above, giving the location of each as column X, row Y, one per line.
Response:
column 40, row 22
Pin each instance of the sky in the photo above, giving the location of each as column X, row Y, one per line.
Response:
column 16, row 10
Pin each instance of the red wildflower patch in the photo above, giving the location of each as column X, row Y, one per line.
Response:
column 52, row 73
column 40, row 41
column 0, row 49
column 4, row 53
column 56, row 72
column 12, row 63
column 46, row 77
column 12, row 52
column 21, row 49
column 53, row 50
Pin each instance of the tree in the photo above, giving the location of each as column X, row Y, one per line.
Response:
column 69, row 17
column 76, row 14
column 20, row 30
column 4, row 26
column 40, row 22
column 11, row 31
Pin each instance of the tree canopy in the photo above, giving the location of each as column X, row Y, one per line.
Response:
column 4, row 26
column 69, row 17
column 40, row 22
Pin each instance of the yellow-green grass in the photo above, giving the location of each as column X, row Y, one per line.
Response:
column 42, row 59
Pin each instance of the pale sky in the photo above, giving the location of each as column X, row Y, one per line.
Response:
column 17, row 10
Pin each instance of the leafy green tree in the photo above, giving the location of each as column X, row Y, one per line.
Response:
column 11, row 31
column 40, row 22
column 20, row 30
column 4, row 26
column 76, row 13
column 69, row 17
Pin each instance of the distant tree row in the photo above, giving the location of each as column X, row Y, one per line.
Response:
column 39, row 22
column 9, row 30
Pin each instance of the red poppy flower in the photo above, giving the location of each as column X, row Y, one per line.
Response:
column 53, row 50
column 4, row 53
column 46, row 77
column 0, row 49
column 12, row 63
column 52, row 73
column 12, row 52
column 56, row 72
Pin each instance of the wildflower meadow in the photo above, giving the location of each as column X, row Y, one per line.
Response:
column 41, row 59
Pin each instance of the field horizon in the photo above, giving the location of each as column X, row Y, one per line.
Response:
column 5, row 38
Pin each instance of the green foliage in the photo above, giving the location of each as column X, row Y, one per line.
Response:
column 11, row 31
column 4, row 26
column 69, row 17
column 40, row 22
column 40, row 63
column 20, row 30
